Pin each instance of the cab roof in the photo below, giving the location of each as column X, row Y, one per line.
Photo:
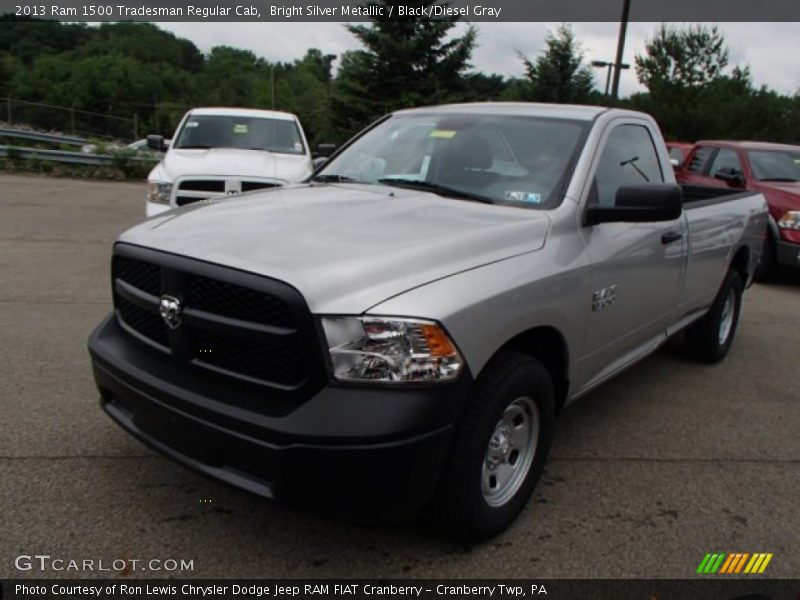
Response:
column 749, row 145
column 243, row 112
column 575, row 112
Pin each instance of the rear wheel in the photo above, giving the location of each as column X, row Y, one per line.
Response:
column 500, row 448
column 710, row 338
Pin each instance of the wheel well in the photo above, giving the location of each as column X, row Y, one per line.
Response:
column 547, row 345
column 741, row 263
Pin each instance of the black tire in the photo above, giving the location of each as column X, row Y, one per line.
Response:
column 512, row 381
column 704, row 339
column 767, row 267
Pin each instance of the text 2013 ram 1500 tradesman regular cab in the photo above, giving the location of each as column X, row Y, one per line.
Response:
column 400, row 332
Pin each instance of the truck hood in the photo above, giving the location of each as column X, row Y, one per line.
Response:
column 345, row 247
column 231, row 162
column 787, row 187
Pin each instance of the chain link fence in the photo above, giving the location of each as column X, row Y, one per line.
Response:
column 68, row 120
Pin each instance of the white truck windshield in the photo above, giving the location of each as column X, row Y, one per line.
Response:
column 247, row 133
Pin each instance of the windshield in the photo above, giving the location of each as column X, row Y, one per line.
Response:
column 495, row 158
column 247, row 133
column 775, row 165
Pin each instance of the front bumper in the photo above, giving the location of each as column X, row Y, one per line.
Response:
column 787, row 254
column 346, row 449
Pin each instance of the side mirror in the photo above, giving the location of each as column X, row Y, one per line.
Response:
column 733, row 177
column 319, row 161
column 325, row 150
column 156, row 142
column 640, row 203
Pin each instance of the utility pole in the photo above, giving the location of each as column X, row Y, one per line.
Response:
column 623, row 29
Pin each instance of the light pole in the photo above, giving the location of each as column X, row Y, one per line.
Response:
column 611, row 67
column 623, row 28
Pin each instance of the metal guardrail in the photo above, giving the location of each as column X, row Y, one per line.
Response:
column 52, row 138
column 78, row 158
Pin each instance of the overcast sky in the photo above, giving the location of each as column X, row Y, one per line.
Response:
column 771, row 49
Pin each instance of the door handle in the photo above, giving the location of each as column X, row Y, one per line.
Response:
column 671, row 236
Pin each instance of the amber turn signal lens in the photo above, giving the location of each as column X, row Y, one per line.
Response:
column 437, row 341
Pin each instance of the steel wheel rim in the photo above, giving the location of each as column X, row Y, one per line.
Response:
column 726, row 318
column 510, row 451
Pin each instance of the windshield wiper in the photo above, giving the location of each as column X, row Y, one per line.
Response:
column 789, row 179
column 632, row 162
column 335, row 179
column 436, row 188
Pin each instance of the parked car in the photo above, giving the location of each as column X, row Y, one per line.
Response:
column 401, row 331
column 771, row 169
column 678, row 151
column 139, row 146
column 225, row 151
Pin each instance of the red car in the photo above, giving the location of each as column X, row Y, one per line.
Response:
column 773, row 170
column 678, row 151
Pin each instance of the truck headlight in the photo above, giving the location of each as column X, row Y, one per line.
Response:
column 392, row 350
column 159, row 192
column 791, row 220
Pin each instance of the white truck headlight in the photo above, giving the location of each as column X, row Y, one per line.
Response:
column 392, row 350
column 159, row 192
column 791, row 220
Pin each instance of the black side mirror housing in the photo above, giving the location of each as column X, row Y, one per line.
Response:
column 640, row 203
column 325, row 150
column 156, row 142
column 731, row 176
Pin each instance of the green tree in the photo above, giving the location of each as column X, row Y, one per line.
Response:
column 404, row 63
column 690, row 57
column 694, row 93
column 558, row 73
column 234, row 77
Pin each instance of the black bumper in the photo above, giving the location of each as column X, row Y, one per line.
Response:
column 787, row 254
column 346, row 448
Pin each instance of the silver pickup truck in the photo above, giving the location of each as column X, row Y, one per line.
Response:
column 398, row 334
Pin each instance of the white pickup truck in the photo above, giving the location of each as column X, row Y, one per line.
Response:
column 402, row 331
column 225, row 151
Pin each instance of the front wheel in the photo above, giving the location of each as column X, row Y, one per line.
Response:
column 500, row 448
column 710, row 338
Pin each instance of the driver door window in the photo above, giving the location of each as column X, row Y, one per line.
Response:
column 628, row 158
column 725, row 159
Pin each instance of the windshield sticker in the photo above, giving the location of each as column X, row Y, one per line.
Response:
column 442, row 133
column 239, row 128
column 192, row 124
column 298, row 147
column 529, row 197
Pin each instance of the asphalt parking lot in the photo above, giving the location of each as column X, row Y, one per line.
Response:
column 665, row 463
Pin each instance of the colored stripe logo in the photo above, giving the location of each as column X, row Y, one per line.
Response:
column 734, row 562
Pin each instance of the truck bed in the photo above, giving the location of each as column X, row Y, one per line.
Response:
column 703, row 195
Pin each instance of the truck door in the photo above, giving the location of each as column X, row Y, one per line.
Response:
column 725, row 160
column 702, row 164
column 636, row 267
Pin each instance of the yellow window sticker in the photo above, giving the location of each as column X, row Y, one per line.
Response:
column 239, row 128
column 442, row 133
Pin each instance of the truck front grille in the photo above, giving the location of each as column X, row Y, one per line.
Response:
column 234, row 325
column 203, row 185
column 195, row 190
